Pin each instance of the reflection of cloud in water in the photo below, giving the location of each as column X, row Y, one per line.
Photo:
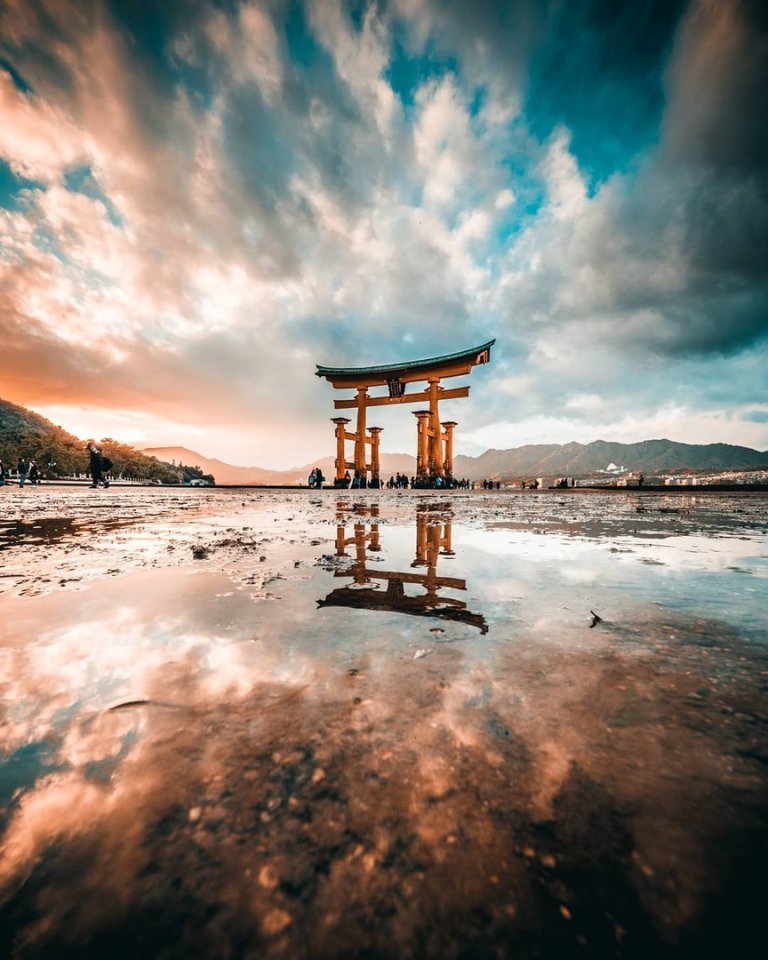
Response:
column 681, row 552
column 299, row 786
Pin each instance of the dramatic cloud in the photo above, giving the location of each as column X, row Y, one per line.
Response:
column 198, row 202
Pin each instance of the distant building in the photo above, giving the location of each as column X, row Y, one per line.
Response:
column 631, row 480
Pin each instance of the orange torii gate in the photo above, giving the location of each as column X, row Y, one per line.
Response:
column 434, row 448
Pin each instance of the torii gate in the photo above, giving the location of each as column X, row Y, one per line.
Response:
column 434, row 450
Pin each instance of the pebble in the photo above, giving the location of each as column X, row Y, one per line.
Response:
column 276, row 921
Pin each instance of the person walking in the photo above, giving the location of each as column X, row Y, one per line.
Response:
column 95, row 466
column 22, row 469
column 34, row 473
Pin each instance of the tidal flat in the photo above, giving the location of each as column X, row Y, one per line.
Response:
column 382, row 724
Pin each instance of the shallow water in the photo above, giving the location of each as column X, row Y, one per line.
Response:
column 383, row 725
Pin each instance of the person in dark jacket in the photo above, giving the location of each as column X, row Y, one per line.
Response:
column 95, row 466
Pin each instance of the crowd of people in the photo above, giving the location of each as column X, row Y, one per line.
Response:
column 398, row 481
column 26, row 470
column 316, row 479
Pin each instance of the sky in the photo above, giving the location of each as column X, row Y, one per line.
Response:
column 199, row 201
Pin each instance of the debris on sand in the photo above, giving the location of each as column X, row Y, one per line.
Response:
column 141, row 702
column 200, row 551
column 595, row 619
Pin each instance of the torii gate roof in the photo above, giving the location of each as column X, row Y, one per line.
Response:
column 449, row 365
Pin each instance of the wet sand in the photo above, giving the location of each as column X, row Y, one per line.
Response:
column 382, row 724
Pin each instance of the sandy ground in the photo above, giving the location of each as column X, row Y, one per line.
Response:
column 382, row 724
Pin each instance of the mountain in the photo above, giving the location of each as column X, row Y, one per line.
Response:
column 532, row 460
column 229, row 473
column 578, row 459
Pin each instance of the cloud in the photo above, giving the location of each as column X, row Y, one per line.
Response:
column 664, row 259
column 216, row 198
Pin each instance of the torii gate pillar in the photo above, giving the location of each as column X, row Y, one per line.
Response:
column 360, row 438
column 422, row 443
column 436, row 462
column 341, row 456
column 375, row 468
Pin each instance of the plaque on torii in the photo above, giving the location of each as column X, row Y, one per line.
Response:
column 434, row 446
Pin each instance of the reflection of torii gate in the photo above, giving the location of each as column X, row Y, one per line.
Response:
column 433, row 540
column 434, row 457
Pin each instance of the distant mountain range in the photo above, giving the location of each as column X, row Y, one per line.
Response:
column 225, row 472
column 533, row 460
column 579, row 459
column 25, row 433
column 229, row 473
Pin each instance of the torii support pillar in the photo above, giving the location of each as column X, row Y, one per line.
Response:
column 360, row 438
column 436, row 464
column 375, row 469
column 448, row 426
column 341, row 457
column 422, row 444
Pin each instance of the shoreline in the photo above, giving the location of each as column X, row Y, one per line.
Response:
column 591, row 488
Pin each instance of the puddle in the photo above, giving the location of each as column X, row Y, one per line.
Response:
column 51, row 530
column 383, row 726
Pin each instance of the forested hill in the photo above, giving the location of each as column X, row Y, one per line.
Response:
column 578, row 459
column 57, row 453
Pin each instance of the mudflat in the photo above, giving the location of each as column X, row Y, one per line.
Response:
column 382, row 724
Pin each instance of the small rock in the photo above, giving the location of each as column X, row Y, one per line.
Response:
column 276, row 921
column 267, row 878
